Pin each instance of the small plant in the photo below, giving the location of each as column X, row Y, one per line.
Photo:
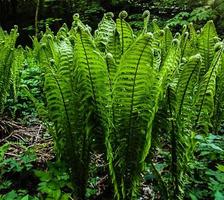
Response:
column 208, row 169
column 19, row 167
column 54, row 182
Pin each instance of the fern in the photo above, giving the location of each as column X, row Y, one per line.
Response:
column 125, row 32
column 105, row 31
column 182, row 126
column 17, row 66
column 218, row 114
column 206, row 92
column 114, row 47
column 131, row 100
column 91, row 84
column 7, row 48
column 123, row 91
column 206, row 43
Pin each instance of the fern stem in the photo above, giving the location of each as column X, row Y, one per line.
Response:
column 122, row 37
column 174, row 148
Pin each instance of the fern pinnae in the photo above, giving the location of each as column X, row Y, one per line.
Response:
column 88, row 66
column 52, row 72
column 63, row 100
column 184, row 42
column 105, row 31
column 206, row 42
column 125, row 31
column 188, row 73
column 208, row 86
column 134, row 70
column 133, row 92
column 155, row 26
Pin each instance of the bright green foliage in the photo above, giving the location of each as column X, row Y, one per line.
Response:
column 125, row 32
column 132, row 108
column 76, row 88
column 105, row 31
column 217, row 118
column 7, row 45
column 206, row 45
column 206, row 92
column 103, row 94
column 17, row 66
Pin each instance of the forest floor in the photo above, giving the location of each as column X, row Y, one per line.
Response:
column 22, row 138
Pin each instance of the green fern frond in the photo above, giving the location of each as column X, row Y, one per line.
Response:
column 17, row 65
column 165, row 42
column 91, row 83
column 188, row 79
column 155, row 26
column 114, row 47
column 105, row 31
column 125, row 32
column 7, row 48
column 206, row 92
column 218, row 115
column 206, row 43
column 146, row 16
column 132, row 104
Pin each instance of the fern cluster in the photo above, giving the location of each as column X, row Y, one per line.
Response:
column 9, row 60
column 112, row 89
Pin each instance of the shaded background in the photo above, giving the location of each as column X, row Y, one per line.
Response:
column 56, row 12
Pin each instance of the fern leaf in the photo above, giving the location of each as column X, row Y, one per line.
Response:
column 125, row 32
column 7, row 47
column 17, row 66
column 91, row 83
column 206, row 42
column 146, row 16
column 114, row 47
column 218, row 114
column 206, row 92
column 105, row 31
column 131, row 103
column 186, row 84
column 155, row 26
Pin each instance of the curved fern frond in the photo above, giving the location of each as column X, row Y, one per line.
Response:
column 63, row 32
column 7, row 48
column 218, row 114
column 206, row 92
column 155, row 26
column 165, row 42
column 206, row 42
column 111, row 66
column 91, row 83
column 132, row 109
column 146, row 16
column 125, row 32
column 193, row 35
column 17, row 65
column 114, row 47
column 188, row 79
column 105, row 31
column 172, row 61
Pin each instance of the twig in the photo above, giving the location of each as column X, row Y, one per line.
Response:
column 7, row 137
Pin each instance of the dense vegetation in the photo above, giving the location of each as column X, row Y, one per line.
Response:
column 150, row 102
